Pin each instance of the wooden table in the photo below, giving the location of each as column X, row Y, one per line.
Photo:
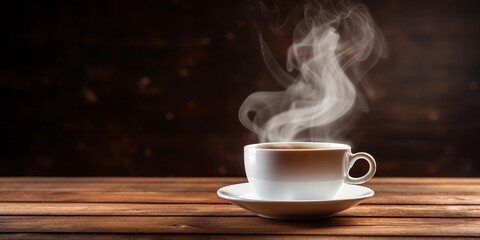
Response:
column 188, row 208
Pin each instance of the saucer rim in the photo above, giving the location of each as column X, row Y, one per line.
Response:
column 370, row 194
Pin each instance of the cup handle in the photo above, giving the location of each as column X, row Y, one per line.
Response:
column 371, row 171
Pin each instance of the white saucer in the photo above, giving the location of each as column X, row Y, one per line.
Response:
column 243, row 196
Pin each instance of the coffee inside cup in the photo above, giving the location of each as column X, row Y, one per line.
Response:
column 294, row 147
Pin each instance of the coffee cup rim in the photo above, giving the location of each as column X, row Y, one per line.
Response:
column 330, row 145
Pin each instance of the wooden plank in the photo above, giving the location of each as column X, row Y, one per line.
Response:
column 225, row 180
column 121, row 209
column 425, row 188
column 209, row 186
column 244, row 225
column 440, row 211
column 440, row 198
column 112, row 187
column 211, row 197
column 63, row 236
column 421, row 180
column 119, row 197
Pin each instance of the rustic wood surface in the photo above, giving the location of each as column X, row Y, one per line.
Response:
column 188, row 208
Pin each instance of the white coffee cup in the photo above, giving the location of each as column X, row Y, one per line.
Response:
column 302, row 170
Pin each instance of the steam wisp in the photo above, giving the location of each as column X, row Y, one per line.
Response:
column 333, row 47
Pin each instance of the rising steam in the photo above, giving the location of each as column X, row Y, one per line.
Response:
column 333, row 47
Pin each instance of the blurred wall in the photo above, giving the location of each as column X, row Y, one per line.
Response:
column 152, row 88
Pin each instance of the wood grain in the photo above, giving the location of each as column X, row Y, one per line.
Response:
column 223, row 180
column 243, row 225
column 211, row 197
column 116, row 209
column 62, row 236
column 105, row 186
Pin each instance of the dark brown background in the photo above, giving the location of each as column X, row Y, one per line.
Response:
column 152, row 88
